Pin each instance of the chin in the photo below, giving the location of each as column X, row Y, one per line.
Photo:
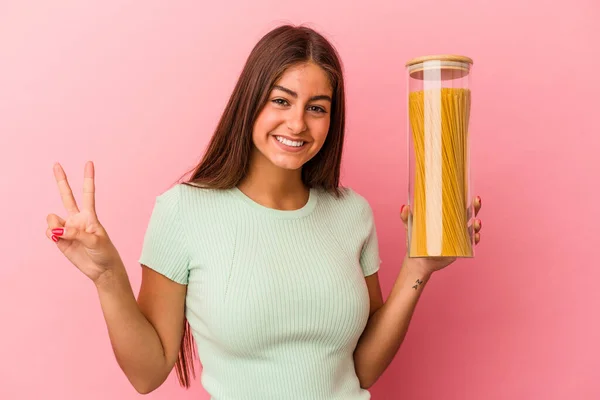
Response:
column 291, row 165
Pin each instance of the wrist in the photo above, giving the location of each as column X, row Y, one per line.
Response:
column 107, row 279
column 418, row 267
column 104, row 279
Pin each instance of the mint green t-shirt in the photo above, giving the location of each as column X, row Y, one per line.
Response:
column 276, row 299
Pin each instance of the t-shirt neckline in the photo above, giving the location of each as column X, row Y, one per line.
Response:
column 305, row 210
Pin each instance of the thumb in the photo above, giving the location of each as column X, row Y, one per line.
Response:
column 404, row 213
column 72, row 233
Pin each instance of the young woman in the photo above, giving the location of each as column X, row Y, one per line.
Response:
column 261, row 257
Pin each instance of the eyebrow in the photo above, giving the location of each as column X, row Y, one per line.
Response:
column 295, row 95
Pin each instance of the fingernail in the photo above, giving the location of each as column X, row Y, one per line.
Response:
column 58, row 231
column 402, row 208
column 54, row 238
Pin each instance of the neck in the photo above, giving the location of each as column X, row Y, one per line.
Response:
column 274, row 187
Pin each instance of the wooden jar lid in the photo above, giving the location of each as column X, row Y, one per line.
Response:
column 452, row 66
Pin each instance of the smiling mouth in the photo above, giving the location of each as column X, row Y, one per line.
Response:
column 290, row 143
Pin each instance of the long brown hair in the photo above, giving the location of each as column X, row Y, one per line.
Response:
column 227, row 158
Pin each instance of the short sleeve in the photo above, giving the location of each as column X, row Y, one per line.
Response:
column 164, row 246
column 369, row 257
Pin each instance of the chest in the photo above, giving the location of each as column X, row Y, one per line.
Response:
column 279, row 285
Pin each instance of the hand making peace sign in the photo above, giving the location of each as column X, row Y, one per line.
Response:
column 81, row 237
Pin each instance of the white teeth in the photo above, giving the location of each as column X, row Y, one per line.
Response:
column 288, row 142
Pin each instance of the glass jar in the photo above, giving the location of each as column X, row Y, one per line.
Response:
column 439, row 105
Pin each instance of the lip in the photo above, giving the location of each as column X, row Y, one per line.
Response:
column 292, row 139
column 288, row 148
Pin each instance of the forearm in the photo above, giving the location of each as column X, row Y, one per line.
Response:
column 135, row 342
column 387, row 327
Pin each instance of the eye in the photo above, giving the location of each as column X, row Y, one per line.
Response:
column 280, row 102
column 317, row 109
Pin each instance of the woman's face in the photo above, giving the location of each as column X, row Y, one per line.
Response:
column 293, row 125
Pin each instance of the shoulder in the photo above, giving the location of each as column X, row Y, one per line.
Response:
column 184, row 198
column 356, row 199
column 350, row 205
column 349, row 197
column 185, row 192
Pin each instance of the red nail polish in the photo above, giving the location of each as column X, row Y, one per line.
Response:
column 58, row 231
column 54, row 238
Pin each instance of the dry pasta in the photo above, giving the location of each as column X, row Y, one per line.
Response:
column 439, row 120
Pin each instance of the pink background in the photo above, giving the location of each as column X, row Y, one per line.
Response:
column 138, row 87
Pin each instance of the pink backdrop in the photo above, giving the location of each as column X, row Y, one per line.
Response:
column 138, row 87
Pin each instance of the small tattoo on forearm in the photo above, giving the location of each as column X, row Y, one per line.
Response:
column 418, row 283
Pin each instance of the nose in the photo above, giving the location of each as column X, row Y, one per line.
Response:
column 296, row 123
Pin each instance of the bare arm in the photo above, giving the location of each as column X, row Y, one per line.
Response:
column 145, row 335
column 388, row 324
column 389, row 321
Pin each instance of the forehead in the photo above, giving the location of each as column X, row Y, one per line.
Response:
column 306, row 79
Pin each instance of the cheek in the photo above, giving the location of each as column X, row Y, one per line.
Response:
column 266, row 121
column 319, row 129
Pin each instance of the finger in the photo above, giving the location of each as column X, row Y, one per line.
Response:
column 65, row 190
column 477, row 238
column 404, row 213
column 71, row 233
column 54, row 221
column 477, row 225
column 474, row 228
column 474, row 207
column 89, row 188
